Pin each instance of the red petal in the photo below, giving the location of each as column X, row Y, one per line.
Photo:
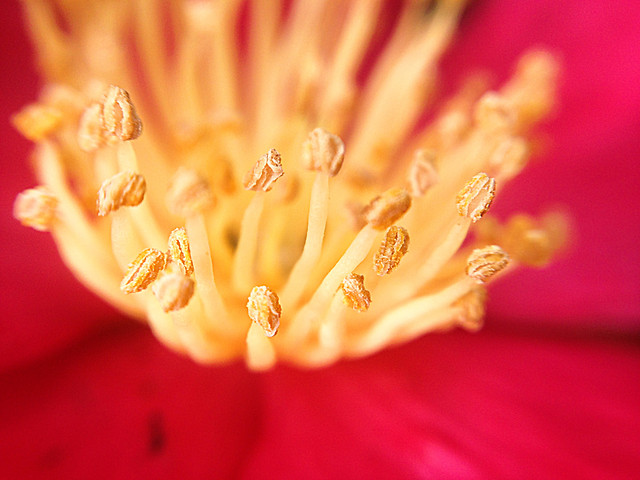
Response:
column 122, row 406
column 458, row 406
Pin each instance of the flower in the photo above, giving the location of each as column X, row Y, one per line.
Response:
column 523, row 398
column 347, row 155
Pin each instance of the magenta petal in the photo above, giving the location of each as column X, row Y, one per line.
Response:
column 459, row 406
column 123, row 406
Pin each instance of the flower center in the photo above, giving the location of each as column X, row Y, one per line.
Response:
column 261, row 199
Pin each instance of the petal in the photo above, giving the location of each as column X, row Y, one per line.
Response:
column 122, row 406
column 458, row 406
column 589, row 167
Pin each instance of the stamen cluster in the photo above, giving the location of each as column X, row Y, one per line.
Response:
column 277, row 173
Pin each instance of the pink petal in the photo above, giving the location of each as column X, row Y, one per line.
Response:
column 458, row 406
column 122, row 406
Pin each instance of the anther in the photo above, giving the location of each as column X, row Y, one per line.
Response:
column 264, row 309
column 510, row 157
column 36, row 122
column 323, row 152
column 188, row 193
column 91, row 131
column 356, row 296
column 143, row 270
column 394, row 246
column 475, row 198
column 422, row 173
column 173, row 291
column 472, row 307
column 484, row 263
column 119, row 115
column 387, row 208
column 124, row 189
column 264, row 172
column 35, row 208
column 179, row 250
column 495, row 113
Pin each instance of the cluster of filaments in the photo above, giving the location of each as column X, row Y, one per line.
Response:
column 279, row 203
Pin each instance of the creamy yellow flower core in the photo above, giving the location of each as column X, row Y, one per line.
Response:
column 251, row 175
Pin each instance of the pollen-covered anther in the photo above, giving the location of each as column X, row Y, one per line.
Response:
column 143, row 270
column 387, row 208
column 173, row 291
column 36, row 121
column 188, row 193
column 91, row 132
column 422, row 173
column 394, row 246
column 323, row 152
column 124, row 189
column 475, row 198
column 472, row 307
column 355, row 295
column 35, row 208
column 264, row 309
column 264, row 172
column 179, row 250
column 484, row 263
column 119, row 115
column 494, row 113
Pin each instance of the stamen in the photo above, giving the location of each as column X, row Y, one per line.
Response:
column 421, row 312
column 119, row 115
column 123, row 189
column 261, row 354
column 179, row 251
column 323, row 152
column 422, row 174
column 143, row 270
column 264, row 172
column 532, row 89
column 314, row 309
column 36, row 122
column 484, row 263
column 264, row 309
column 356, row 296
column 188, row 193
column 91, row 131
column 394, row 246
column 294, row 76
column 316, row 223
column 214, row 307
column 495, row 114
column 472, row 307
column 173, row 290
column 509, row 158
column 260, row 179
column 386, row 209
column 36, row 208
column 528, row 241
column 92, row 270
column 475, row 198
